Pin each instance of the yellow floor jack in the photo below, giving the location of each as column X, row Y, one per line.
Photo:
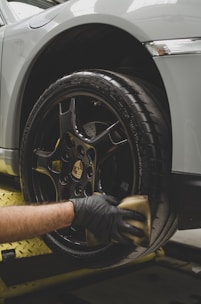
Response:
column 20, row 259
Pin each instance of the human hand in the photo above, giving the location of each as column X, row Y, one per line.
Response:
column 99, row 214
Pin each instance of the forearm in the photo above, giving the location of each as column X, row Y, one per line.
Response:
column 25, row 222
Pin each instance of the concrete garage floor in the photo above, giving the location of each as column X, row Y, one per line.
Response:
column 154, row 284
column 174, row 278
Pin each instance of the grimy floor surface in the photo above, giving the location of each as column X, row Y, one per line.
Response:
column 174, row 278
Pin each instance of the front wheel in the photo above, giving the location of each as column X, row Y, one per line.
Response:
column 99, row 131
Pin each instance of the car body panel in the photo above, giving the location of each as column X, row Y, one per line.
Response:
column 145, row 20
column 185, row 107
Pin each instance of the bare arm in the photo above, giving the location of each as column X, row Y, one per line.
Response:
column 95, row 213
column 25, row 222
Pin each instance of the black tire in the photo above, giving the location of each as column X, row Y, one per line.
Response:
column 119, row 127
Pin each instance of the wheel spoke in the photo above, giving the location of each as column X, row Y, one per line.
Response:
column 46, row 164
column 67, row 118
column 43, row 159
column 107, row 142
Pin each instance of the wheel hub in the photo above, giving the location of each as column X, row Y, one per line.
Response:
column 76, row 165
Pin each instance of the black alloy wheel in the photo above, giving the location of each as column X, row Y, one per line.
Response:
column 99, row 131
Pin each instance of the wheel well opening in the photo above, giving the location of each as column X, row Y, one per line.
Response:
column 90, row 46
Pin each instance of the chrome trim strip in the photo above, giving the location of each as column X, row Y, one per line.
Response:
column 174, row 47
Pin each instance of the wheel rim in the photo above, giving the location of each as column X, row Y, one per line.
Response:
column 81, row 146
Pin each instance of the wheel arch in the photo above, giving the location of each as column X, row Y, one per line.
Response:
column 87, row 46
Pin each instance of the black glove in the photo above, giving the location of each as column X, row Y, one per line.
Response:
column 108, row 223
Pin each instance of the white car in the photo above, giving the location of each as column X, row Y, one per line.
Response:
column 103, row 96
